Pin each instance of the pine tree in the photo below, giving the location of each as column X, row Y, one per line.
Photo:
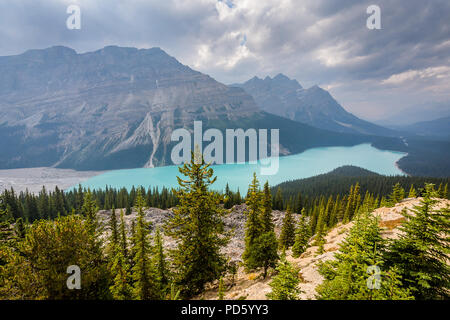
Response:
column 347, row 277
column 160, row 264
column 220, row 294
column 302, row 236
column 264, row 249
column 143, row 273
column 421, row 251
column 114, row 238
column 123, row 236
column 353, row 201
column 384, row 202
column 321, row 226
column 253, row 224
column 19, row 229
column 89, row 210
column 285, row 284
column 398, row 194
column 266, row 217
column 342, row 209
column 198, row 228
column 50, row 246
column 412, row 192
column 320, row 241
column 121, row 288
column 298, row 203
column 128, row 208
column 440, row 191
column 287, row 236
column 43, row 204
column 333, row 219
column 228, row 201
column 238, row 197
column 278, row 200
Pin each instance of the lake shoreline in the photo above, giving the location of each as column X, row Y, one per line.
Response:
column 32, row 179
column 308, row 163
column 291, row 167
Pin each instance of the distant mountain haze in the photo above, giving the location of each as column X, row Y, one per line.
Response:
column 314, row 106
column 117, row 107
column 433, row 128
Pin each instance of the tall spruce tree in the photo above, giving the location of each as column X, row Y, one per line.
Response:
column 278, row 200
column 412, row 192
column 253, row 224
column 287, row 236
column 302, row 236
column 143, row 274
column 198, row 228
column 89, row 210
column 114, row 236
column 266, row 248
column 348, row 278
column 123, row 243
column 299, row 203
column 398, row 193
column 19, row 228
column 228, row 200
column 121, row 288
column 421, row 251
column 266, row 214
column 285, row 284
column 160, row 265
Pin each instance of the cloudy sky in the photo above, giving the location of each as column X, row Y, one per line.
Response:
column 401, row 69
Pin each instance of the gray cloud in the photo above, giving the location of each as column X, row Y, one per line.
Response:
column 371, row 72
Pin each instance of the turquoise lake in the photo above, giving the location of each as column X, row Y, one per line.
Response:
column 303, row 165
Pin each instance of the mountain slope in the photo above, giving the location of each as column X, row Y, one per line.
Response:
column 314, row 106
column 250, row 285
column 434, row 128
column 339, row 181
column 117, row 107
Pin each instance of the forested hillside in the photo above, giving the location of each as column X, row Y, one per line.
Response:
column 338, row 182
column 133, row 262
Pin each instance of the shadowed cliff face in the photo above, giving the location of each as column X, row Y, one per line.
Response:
column 116, row 105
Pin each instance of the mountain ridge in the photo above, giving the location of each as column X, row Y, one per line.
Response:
column 314, row 106
column 439, row 127
column 116, row 107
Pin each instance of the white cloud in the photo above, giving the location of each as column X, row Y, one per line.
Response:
column 315, row 41
column 440, row 72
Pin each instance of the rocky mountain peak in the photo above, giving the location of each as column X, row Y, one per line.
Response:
column 314, row 106
column 117, row 104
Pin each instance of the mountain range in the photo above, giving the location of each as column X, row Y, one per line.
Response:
column 439, row 128
column 116, row 108
column 314, row 106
